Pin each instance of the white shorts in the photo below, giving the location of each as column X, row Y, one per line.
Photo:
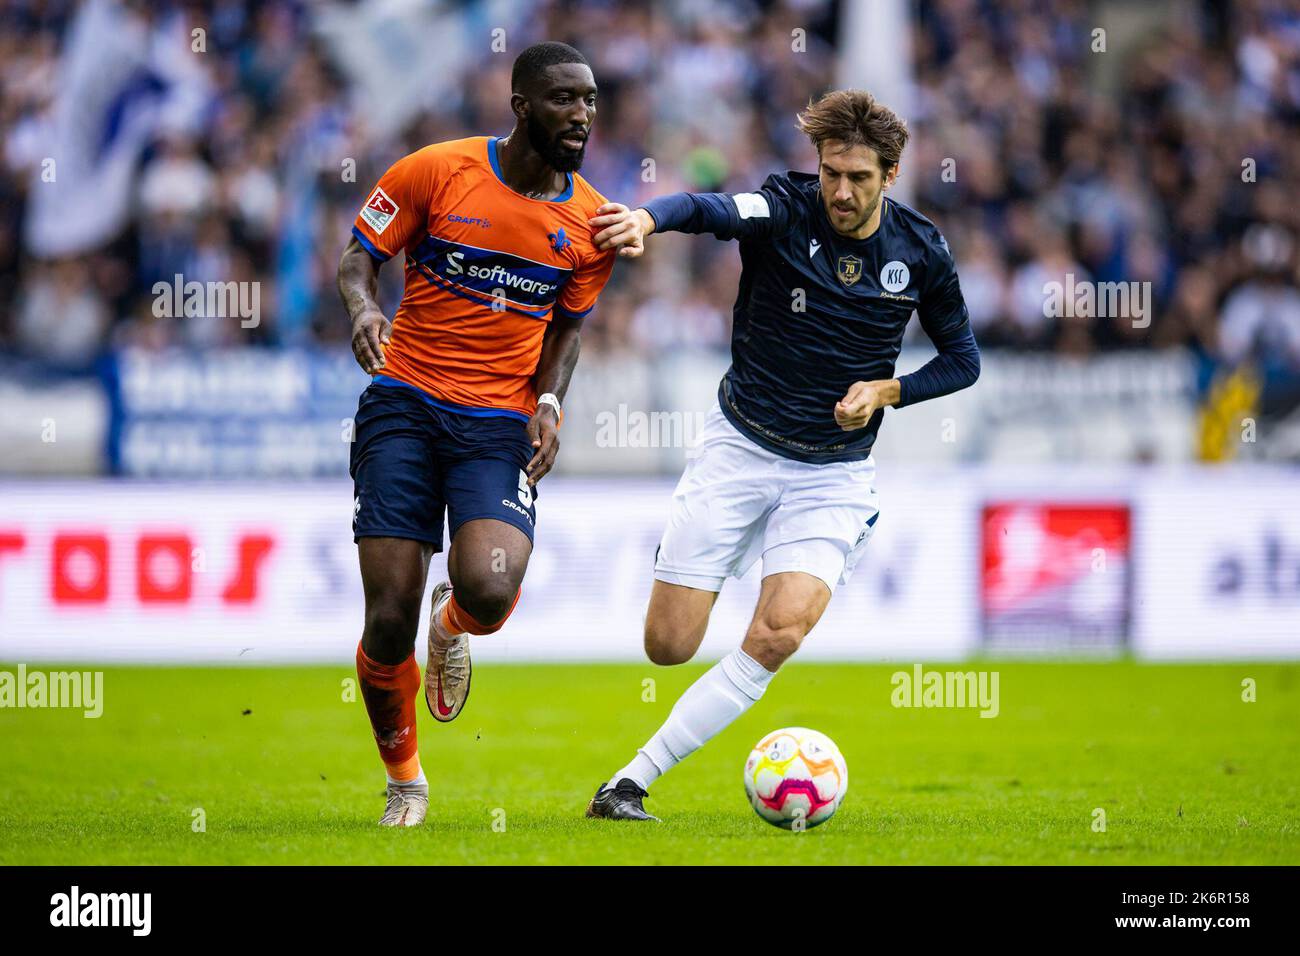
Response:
column 736, row 501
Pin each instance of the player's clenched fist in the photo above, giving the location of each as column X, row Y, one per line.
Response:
column 370, row 333
column 860, row 402
column 617, row 227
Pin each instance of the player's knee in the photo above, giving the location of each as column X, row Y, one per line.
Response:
column 773, row 640
column 391, row 627
column 489, row 601
column 667, row 645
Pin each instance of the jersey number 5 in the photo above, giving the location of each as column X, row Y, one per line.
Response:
column 525, row 491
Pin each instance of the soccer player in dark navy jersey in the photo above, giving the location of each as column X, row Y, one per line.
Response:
column 832, row 271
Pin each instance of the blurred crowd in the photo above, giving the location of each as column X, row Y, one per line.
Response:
column 265, row 182
column 1167, row 152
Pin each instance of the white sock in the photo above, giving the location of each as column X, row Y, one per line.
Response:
column 725, row 692
column 441, row 635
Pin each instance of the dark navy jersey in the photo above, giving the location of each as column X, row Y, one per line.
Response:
column 817, row 312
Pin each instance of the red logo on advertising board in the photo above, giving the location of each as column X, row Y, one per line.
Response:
column 1056, row 574
column 165, row 566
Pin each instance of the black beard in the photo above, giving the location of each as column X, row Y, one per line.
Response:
column 557, row 156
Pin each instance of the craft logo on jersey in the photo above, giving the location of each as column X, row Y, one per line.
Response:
column 895, row 276
column 469, row 220
column 850, row 269
column 559, row 241
column 379, row 210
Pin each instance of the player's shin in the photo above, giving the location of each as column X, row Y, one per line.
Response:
column 389, row 692
column 709, row 705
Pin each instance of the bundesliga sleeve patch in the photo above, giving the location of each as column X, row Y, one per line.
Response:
column 379, row 211
column 751, row 205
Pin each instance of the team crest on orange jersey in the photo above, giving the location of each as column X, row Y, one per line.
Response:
column 559, row 241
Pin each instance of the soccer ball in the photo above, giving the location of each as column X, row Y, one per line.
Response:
column 795, row 778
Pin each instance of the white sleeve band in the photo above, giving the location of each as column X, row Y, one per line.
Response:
column 751, row 205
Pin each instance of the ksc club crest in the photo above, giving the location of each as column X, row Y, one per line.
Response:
column 895, row 276
column 849, row 269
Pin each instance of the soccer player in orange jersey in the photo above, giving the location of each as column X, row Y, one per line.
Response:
column 463, row 411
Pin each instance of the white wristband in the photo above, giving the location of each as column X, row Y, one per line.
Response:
column 550, row 399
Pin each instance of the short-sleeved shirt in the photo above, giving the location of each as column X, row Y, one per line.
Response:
column 486, row 270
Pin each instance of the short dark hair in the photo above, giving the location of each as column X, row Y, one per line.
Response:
column 855, row 118
column 532, row 63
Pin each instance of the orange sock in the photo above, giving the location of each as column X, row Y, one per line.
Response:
column 457, row 620
column 389, row 691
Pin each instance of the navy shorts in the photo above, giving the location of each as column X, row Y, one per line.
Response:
column 413, row 458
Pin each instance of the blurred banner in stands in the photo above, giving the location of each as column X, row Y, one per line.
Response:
column 117, row 91
column 280, row 413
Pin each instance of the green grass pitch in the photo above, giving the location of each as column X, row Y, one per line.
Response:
column 1185, row 771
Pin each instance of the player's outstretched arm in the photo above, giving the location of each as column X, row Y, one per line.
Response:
column 358, row 282
column 753, row 215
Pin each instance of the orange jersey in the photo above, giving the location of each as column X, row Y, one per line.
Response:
column 486, row 268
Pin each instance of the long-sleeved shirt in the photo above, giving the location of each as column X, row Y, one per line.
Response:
column 817, row 311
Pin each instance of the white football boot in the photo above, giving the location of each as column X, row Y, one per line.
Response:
column 407, row 805
column 447, row 671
